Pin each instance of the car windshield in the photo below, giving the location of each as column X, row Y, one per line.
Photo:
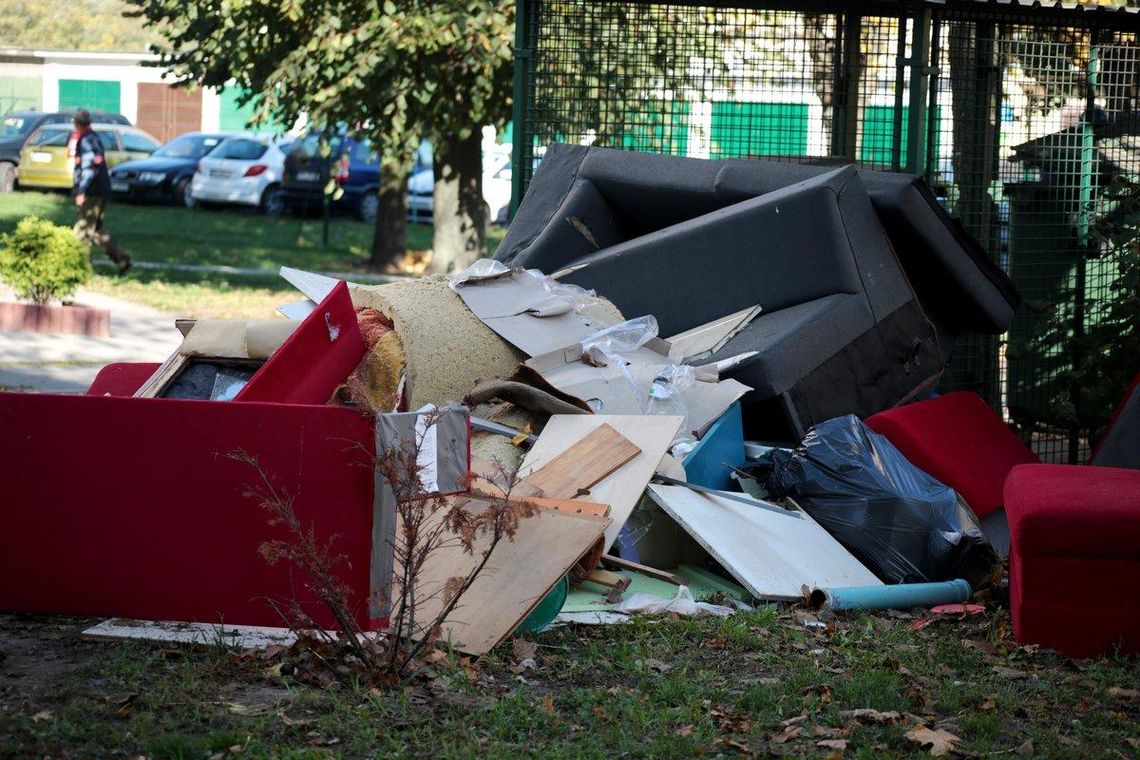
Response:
column 15, row 126
column 48, row 138
column 188, row 146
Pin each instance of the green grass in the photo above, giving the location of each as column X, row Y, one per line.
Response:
column 215, row 237
column 725, row 689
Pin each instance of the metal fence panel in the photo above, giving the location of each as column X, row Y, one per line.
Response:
column 1014, row 119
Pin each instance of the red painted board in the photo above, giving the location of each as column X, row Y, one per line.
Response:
column 315, row 359
column 128, row 506
column 121, row 379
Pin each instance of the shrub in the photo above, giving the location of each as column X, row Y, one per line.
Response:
column 42, row 261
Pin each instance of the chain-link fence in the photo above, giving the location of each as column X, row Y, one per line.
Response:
column 1017, row 120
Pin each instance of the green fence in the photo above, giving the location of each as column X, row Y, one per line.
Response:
column 1018, row 118
column 92, row 94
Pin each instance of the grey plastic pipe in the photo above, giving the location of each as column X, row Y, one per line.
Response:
column 895, row 597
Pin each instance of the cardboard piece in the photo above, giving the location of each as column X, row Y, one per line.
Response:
column 236, row 338
column 607, row 390
column 318, row 356
column 771, row 556
column 516, row 306
column 711, row 336
column 623, row 488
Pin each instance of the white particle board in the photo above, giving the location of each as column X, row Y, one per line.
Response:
column 771, row 555
column 624, row 487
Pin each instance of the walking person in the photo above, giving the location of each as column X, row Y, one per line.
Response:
column 92, row 188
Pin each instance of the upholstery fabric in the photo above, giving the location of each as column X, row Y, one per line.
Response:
column 1075, row 558
column 960, row 441
column 1120, row 446
column 121, row 379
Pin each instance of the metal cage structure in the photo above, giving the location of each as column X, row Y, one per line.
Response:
column 1018, row 118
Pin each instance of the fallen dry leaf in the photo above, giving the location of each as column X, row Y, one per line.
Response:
column 249, row 711
column 1026, row 749
column 733, row 744
column 317, row 740
column 875, row 716
column 794, row 721
column 658, row 665
column 43, row 715
column 785, row 736
column 1001, row 670
column 989, row 704
column 548, row 705
column 941, row 742
column 524, row 649
column 1121, row 693
column 685, row 730
column 840, row 744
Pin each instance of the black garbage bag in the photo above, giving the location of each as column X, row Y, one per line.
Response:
column 901, row 523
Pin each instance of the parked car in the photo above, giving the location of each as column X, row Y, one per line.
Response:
column 496, row 189
column 17, row 126
column 165, row 175
column 245, row 170
column 44, row 161
column 354, row 167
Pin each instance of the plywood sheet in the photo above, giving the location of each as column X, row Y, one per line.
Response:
column 622, row 489
column 518, row 575
column 771, row 555
column 596, row 455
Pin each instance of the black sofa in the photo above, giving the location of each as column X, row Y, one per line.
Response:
column 840, row 332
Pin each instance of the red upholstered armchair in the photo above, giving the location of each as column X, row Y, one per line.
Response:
column 1074, row 531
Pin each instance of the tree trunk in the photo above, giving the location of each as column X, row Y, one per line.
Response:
column 460, row 216
column 389, row 239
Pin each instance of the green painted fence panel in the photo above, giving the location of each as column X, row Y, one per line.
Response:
column 661, row 128
column 92, row 94
column 758, row 129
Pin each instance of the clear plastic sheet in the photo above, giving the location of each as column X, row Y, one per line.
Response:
column 901, row 523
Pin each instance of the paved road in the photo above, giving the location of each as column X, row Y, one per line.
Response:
column 68, row 363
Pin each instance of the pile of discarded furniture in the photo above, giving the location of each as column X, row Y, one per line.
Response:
column 715, row 379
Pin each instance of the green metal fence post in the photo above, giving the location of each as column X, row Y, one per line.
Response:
column 518, row 112
column 919, row 84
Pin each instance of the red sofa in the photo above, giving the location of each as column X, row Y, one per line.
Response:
column 1074, row 531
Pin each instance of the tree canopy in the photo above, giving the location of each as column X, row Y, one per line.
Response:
column 96, row 25
column 392, row 71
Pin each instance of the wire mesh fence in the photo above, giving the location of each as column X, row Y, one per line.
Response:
column 1019, row 123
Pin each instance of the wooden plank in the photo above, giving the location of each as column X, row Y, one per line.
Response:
column 772, row 556
column 608, row 579
column 623, row 488
column 517, row 576
column 599, row 453
column 662, row 575
column 167, row 372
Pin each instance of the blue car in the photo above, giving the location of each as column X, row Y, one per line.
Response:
column 353, row 165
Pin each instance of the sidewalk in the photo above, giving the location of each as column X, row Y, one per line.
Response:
column 68, row 363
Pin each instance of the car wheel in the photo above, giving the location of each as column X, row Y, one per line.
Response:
column 369, row 208
column 184, row 192
column 273, row 201
column 7, row 177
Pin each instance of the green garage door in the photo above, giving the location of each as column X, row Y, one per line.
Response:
column 20, row 93
column 234, row 116
column 91, row 94
column 758, row 129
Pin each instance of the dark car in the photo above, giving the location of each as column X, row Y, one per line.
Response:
column 17, row 126
column 352, row 165
column 166, row 174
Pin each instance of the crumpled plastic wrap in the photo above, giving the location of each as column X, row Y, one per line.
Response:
column 904, row 525
column 682, row 604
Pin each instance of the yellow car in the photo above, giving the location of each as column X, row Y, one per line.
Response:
column 44, row 162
